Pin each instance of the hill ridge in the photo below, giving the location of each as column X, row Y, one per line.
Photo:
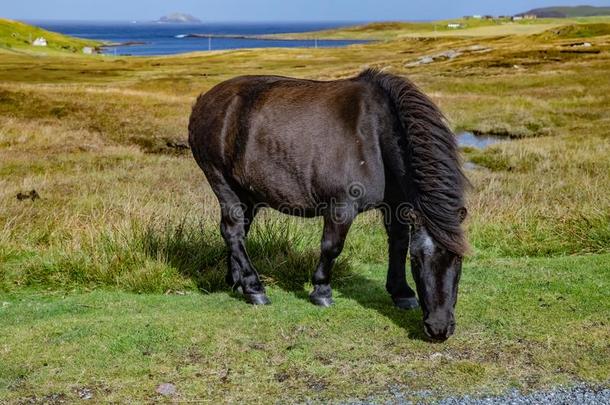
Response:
column 568, row 11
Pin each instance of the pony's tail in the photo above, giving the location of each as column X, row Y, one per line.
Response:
column 425, row 159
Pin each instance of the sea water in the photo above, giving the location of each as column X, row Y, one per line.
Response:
column 166, row 39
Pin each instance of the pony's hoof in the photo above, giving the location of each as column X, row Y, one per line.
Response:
column 321, row 301
column 257, row 299
column 406, row 303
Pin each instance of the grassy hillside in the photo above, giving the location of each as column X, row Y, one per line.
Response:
column 388, row 30
column 470, row 28
column 574, row 31
column 569, row 12
column 16, row 35
column 111, row 282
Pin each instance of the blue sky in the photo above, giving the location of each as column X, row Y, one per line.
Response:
column 269, row 10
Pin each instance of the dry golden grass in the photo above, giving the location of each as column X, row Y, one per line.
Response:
column 84, row 129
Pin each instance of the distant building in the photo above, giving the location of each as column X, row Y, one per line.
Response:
column 39, row 42
column 517, row 18
column 530, row 16
column 454, row 25
column 88, row 50
column 477, row 16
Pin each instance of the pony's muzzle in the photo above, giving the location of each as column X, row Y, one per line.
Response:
column 439, row 331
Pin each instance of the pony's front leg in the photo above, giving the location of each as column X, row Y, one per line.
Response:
column 333, row 238
column 398, row 246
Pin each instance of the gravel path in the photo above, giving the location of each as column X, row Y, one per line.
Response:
column 574, row 395
column 581, row 395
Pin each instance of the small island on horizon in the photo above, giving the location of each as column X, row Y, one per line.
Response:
column 179, row 18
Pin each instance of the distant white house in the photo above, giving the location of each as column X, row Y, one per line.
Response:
column 477, row 16
column 454, row 25
column 87, row 50
column 517, row 18
column 40, row 41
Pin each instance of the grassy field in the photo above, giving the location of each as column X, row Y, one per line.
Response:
column 111, row 282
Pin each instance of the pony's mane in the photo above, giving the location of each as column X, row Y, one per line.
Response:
column 431, row 158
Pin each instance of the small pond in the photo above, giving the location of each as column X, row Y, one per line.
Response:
column 478, row 141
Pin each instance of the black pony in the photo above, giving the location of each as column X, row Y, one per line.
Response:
column 336, row 149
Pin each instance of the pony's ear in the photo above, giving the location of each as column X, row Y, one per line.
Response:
column 463, row 213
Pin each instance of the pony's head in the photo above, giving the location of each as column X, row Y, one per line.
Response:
column 436, row 271
column 433, row 183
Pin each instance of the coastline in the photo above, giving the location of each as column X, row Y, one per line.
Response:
column 268, row 37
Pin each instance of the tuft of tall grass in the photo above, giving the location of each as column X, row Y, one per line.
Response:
column 282, row 249
column 114, row 258
column 160, row 256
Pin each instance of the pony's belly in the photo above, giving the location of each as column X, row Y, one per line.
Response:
column 332, row 177
column 320, row 210
column 298, row 200
column 302, row 212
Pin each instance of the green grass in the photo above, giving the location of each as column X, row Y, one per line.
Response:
column 126, row 224
column 523, row 323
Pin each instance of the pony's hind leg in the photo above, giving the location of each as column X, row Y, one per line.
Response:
column 398, row 246
column 233, row 276
column 235, row 220
column 333, row 238
column 233, row 228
